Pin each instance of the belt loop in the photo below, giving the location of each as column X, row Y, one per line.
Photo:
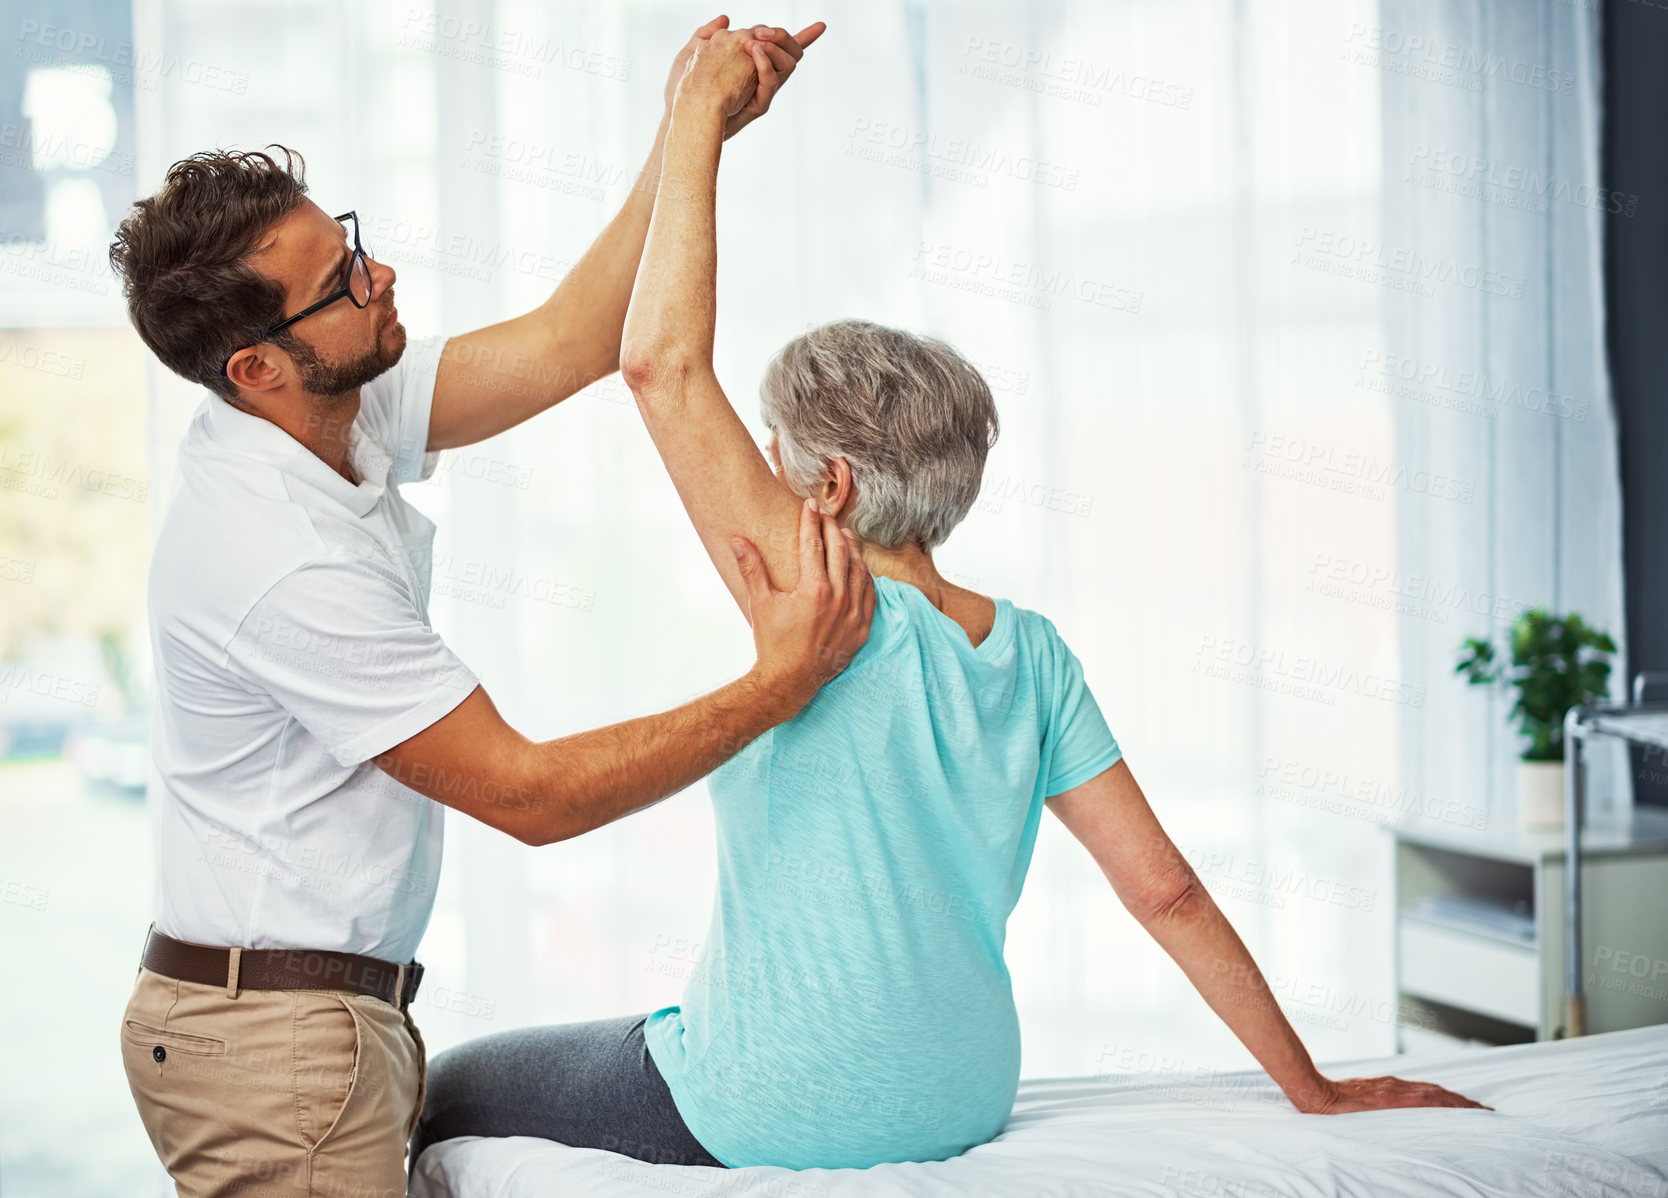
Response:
column 233, row 961
column 399, row 988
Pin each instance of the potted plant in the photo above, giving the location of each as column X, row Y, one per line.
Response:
column 1558, row 662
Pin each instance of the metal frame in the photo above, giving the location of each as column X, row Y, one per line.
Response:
column 1580, row 724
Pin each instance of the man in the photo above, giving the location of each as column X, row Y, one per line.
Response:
column 307, row 716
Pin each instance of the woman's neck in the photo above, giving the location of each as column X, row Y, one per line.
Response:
column 907, row 563
column 910, row 563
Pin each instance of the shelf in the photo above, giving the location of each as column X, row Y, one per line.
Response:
column 1642, row 831
column 1639, row 727
column 1511, row 924
column 1475, row 973
column 1438, row 1024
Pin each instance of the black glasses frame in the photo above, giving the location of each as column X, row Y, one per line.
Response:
column 345, row 291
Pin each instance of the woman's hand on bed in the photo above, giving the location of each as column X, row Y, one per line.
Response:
column 1342, row 1097
column 809, row 634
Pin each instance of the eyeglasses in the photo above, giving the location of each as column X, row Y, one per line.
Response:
column 356, row 286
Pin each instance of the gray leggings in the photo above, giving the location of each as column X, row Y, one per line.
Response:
column 591, row 1085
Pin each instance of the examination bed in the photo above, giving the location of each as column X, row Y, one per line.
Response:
column 1579, row 1118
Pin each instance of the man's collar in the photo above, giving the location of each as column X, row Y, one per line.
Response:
column 257, row 437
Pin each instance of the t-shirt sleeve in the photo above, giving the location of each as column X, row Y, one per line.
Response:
column 339, row 645
column 1079, row 745
column 395, row 408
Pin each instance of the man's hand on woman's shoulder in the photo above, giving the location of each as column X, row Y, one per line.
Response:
column 809, row 634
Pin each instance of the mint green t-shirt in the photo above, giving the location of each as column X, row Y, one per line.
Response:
column 852, row 1005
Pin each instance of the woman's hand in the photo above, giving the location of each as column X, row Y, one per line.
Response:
column 680, row 64
column 723, row 71
column 1329, row 1097
column 740, row 71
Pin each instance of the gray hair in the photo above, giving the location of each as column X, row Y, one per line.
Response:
column 910, row 415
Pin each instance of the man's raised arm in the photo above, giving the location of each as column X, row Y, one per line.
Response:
column 494, row 378
column 723, row 480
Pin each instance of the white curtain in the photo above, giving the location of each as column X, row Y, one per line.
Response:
column 1131, row 217
column 1495, row 365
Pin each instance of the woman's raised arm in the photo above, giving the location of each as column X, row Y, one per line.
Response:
column 724, row 481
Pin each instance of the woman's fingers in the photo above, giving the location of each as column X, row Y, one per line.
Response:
column 810, row 33
column 1384, row 1093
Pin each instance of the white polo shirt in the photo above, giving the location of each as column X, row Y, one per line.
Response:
column 289, row 623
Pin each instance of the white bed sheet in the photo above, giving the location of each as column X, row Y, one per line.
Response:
column 1583, row 1118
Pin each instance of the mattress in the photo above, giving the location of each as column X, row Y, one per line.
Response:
column 1582, row 1118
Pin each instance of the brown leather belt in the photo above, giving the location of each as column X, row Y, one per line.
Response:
column 281, row 969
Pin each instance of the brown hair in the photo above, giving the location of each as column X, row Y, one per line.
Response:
column 181, row 255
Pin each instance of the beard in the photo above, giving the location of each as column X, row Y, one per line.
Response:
column 333, row 380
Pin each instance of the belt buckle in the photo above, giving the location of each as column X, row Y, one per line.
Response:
column 411, row 979
column 406, row 980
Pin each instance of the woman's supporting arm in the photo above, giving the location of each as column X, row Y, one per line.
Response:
column 724, row 481
column 1110, row 816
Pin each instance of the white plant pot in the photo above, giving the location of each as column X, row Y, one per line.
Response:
column 1540, row 794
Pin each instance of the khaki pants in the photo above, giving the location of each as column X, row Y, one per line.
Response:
column 273, row 1092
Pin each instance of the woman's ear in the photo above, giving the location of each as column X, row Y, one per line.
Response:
column 837, row 493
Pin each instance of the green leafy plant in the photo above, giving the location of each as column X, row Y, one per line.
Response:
column 1558, row 662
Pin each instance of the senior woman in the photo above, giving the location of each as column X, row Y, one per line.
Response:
column 854, row 1006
